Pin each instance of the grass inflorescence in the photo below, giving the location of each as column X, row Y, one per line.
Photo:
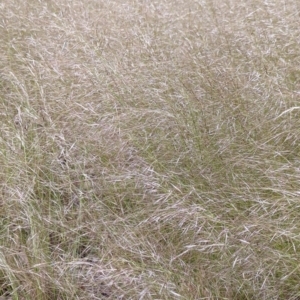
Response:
column 149, row 149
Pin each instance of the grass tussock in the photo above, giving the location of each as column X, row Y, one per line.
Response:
column 149, row 149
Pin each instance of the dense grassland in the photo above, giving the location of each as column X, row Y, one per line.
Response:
column 149, row 149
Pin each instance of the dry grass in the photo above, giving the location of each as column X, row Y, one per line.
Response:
column 149, row 149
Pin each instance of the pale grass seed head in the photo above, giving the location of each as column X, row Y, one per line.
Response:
column 149, row 149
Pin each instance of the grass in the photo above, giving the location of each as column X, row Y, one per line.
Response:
column 149, row 150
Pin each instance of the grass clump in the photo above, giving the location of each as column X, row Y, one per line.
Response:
column 149, row 150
